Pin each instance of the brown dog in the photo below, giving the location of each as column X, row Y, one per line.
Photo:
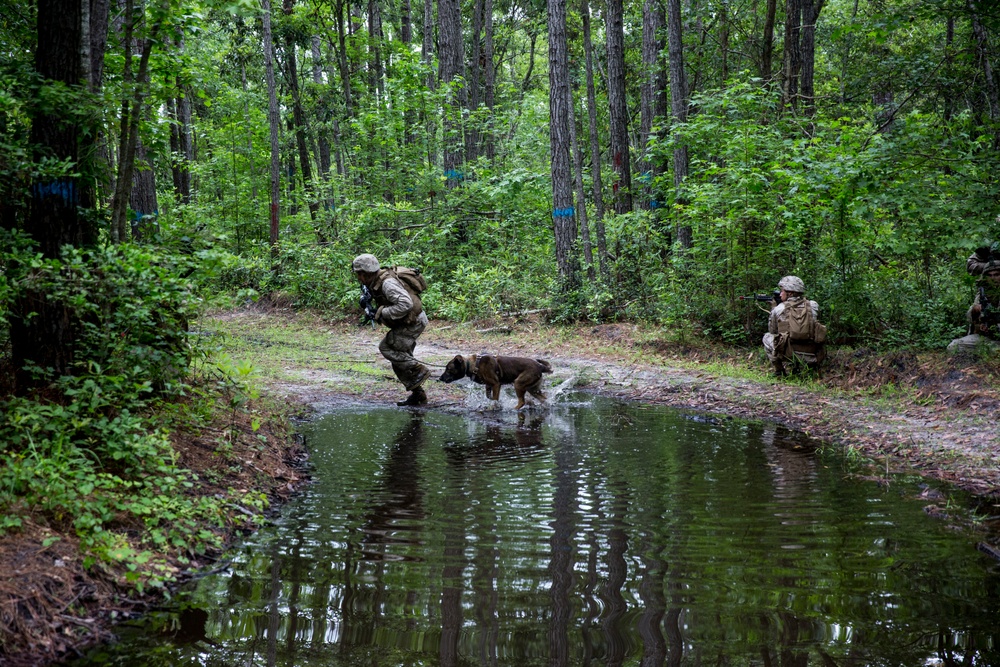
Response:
column 525, row 374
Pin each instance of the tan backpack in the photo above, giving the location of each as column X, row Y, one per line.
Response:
column 800, row 325
column 410, row 278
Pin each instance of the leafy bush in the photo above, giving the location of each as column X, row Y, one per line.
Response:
column 131, row 307
column 86, row 453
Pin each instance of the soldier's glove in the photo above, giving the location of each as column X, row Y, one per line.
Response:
column 378, row 315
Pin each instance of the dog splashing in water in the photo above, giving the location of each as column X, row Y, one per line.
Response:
column 493, row 371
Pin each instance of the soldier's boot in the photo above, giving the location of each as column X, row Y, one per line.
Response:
column 421, row 376
column 417, row 397
column 779, row 368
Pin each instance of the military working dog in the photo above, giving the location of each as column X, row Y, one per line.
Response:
column 525, row 374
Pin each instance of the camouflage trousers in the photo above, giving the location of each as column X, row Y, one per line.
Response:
column 398, row 346
column 770, row 345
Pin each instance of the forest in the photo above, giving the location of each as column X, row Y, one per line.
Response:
column 608, row 161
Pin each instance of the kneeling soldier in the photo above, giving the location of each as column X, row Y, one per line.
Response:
column 793, row 330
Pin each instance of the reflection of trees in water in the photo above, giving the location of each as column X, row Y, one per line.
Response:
column 627, row 578
column 564, row 513
column 611, row 593
column 470, row 494
column 396, row 520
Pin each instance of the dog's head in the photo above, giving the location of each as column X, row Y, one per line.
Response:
column 455, row 370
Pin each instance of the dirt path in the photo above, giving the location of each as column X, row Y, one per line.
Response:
column 933, row 415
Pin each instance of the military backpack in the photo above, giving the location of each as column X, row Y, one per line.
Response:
column 410, row 278
column 800, row 325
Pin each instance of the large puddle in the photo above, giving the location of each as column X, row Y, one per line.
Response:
column 594, row 533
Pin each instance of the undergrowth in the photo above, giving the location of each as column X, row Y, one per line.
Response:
column 96, row 461
column 88, row 453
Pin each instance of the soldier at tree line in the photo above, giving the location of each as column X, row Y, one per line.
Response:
column 984, row 314
column 400, row 309
column 793, row 331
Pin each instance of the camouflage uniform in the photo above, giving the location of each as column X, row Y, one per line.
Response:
column 403, row 313
column 395, row 305
column 991, row 290
column 778, row 316
column 986, row 259
column 982, row 259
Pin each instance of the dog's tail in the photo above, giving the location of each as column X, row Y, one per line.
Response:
column 546, row 368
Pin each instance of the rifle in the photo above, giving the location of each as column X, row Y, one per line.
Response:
column 366, row 301
column 764, row 298
column 989, row 316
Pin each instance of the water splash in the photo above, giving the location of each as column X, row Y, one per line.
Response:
column 561, row 388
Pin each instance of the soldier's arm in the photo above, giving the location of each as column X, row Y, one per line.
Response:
column 399, row 301
column 772, row 321
column 977, row 262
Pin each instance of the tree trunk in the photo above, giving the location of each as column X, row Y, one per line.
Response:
column 53, row 216
column 427, row 41
column 98, row 33
column 125, row 138
column 426, row 57
column 375, row 48
column 450, row 62
column 345, row 71
column 475, row 78
column 532, row 40
column 180, row 144
column 767, row 45
column 175, row 145
column 792, row 64
column 305, row 161
column 563, row 216
column 99, row 10
column 274, row 121
column 595, row 146
column 322, row 135
column 185, row 142
column 489, row 80
column 132, row 110
column 621, row 160
column 46, row 338
column 678, row 107
column 405, row 22
column 142, row 199
column 652, row 23
column 810, row 15
column 581, row 195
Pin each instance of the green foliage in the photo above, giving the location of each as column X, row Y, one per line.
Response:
column 91, row 453
column 99, row 462
column 132, row 305
column 878, row 234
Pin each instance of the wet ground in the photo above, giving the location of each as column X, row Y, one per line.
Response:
column 930, row 414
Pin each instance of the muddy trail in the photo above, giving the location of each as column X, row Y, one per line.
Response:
column 926, row 413
column 929, row 413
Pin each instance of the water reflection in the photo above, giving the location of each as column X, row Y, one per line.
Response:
column 597, row 533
